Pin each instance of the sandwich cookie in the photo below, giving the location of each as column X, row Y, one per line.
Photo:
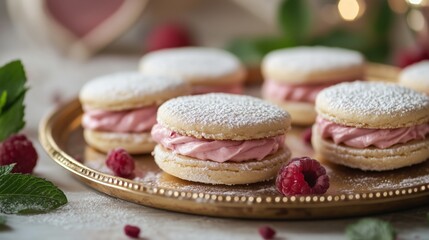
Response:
column 221, row 138
column 416, row 77
column 206, row 69
column 293, row 77
column 372, row 126
column 120, row 109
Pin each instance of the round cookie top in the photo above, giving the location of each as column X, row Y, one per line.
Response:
column 301, row 65
column 416, row 77
column 373, row 105
column 222, row 116
column 197, row 65
column 126, row 90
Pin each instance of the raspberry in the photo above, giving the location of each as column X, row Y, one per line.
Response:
column 18, row 149
column 411, row 56
column 306, row 136
column 267, row 233
column 167, row 36
column 132, row 231
column 121, row 163
column 302, row 176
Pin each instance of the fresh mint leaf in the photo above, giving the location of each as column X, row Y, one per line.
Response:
column 2, row 221
column 6, row 169
column 21, row 193
column 12, row 88
column 294, row 18
column 370, row 229
column 3, row 99
column 12, row 81
column 12, row 119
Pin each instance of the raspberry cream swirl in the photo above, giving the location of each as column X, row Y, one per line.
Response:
column 289, row 92
column 362, row 137
column 127, row 121
column 295, row 92
column 217, row 150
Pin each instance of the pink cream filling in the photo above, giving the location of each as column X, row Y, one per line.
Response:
column 293, row 92
column 231, row 88
column 216, row 150
column 134, row 120
column 363, row 137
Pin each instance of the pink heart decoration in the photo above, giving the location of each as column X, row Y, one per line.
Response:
column 78, row 28
column 82, row 16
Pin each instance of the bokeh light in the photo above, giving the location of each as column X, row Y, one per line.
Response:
column 398, row 6
column 415, row 20
column 351, row 10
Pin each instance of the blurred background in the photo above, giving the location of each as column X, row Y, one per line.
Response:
column 65, row 43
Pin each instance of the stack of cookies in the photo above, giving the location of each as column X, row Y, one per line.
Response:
column 372, row 126
column 294, row 77
column 120, row 109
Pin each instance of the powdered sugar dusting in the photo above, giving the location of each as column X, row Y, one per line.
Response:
column 372, row 183
column 368, row 99
column 308, row 59
column 124, row 86
column 190, row 62
column 226, row 110
column 90, row 209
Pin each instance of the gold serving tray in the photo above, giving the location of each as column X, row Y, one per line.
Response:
column 352, row 192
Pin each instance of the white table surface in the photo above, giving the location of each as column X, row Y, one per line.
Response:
column 91, row 215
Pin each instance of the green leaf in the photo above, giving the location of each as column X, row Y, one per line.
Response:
column 6, row 169
column 20, row 193
column 2, row 220
column 12, row 120
column 341, row 38
column 246, row 51
column 370, row 229
column 3, row 99
column 377, row 34
column 12, row 88
column 12, row 81
column 251, row 51
column 294, row 18
column 382, row 21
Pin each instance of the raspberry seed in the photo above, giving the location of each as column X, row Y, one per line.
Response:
column 302, row 176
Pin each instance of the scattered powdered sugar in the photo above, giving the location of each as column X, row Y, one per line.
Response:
column 354, row 181
column 150, row 178
column 226, row 110
column 90, row 210
column 124, row 86
column 164, row 180
column 190, row 62
column 404, row 183
column 374, row 184
column 367, row 99
column 308, row 59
